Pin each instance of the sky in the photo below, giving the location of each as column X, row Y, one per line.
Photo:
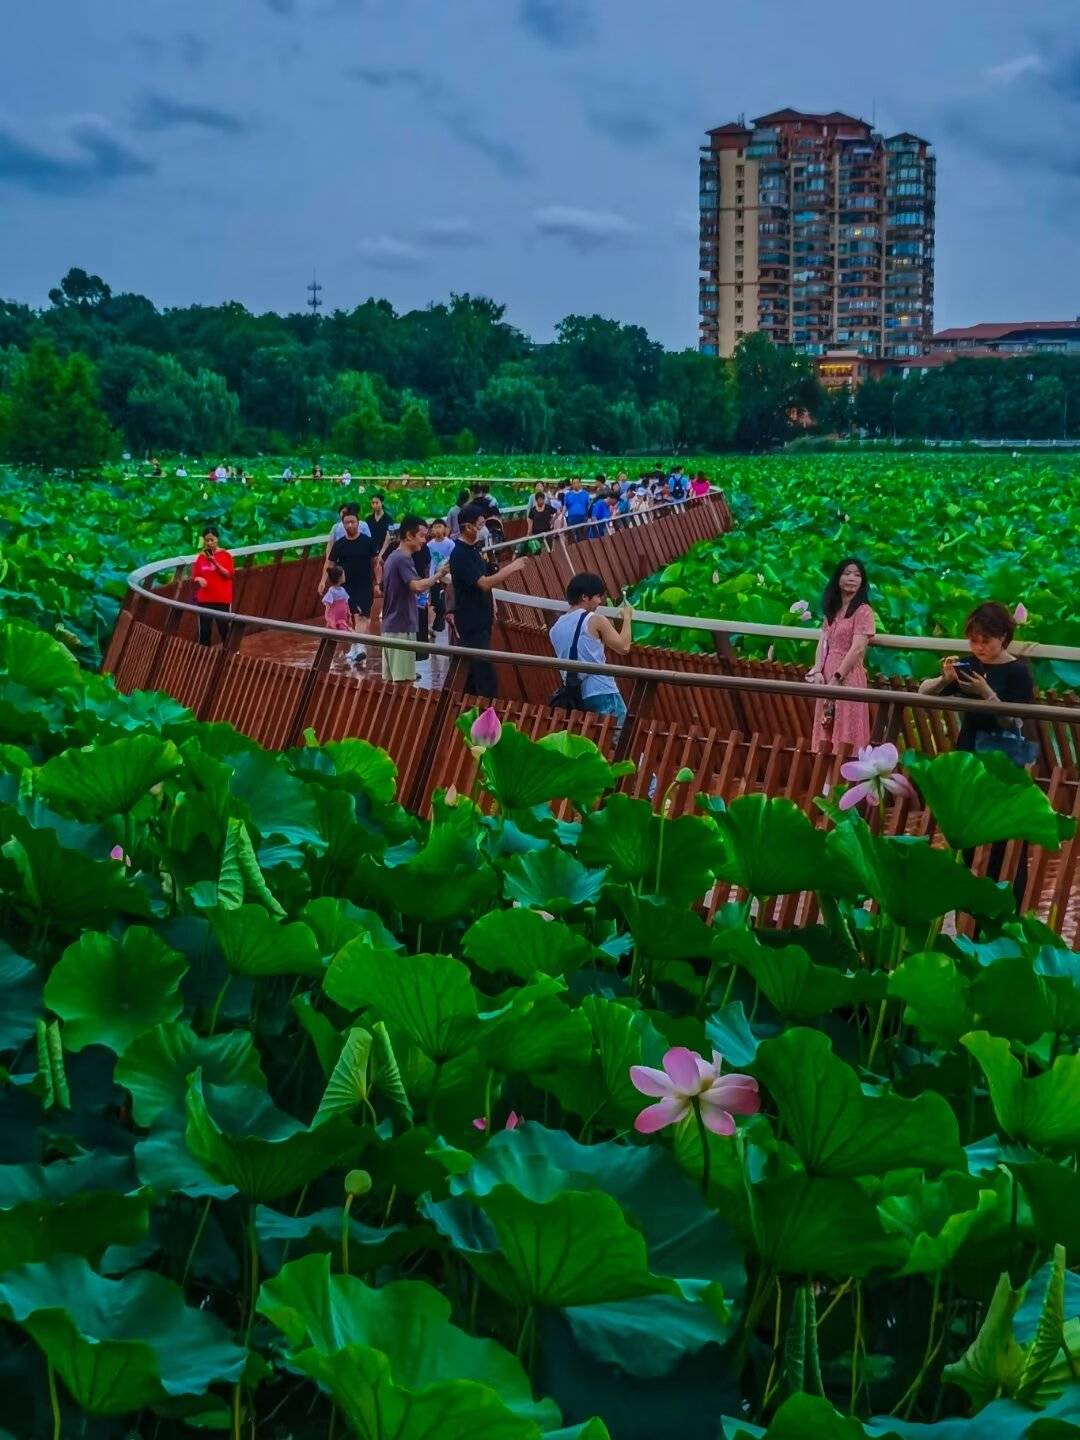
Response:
column 542, row 152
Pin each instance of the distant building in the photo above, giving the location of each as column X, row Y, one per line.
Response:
column 1021, row 337
column 819, row 232
column 843, row 369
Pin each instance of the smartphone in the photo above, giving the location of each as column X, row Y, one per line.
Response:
column 963, row 665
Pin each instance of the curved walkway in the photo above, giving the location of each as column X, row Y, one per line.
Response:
column 739, row 725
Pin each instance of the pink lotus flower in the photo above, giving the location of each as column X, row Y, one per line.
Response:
column 687, row 1083
column 513, row 1120
column 801, row 608
column 485, row 732
column 1020, row 614
column 875, row 775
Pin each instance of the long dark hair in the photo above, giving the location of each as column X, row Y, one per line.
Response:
column 831, row 600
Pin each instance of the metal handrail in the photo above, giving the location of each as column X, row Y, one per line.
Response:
column 628, row 672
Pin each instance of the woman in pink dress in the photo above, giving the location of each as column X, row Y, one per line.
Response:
column 848, row 629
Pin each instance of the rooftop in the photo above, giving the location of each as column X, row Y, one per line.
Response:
column 998, row 330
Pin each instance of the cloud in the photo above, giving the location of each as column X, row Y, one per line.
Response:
column 630, row 122
column 284, row 8
column 450, row 234
column 91, row 157
column 388, row 252
column 193, row 49
column 507, row 159
column 165, row 112
column 584, row 229
column 1010, row 70
column 1064, row 75
column 562, row 24
column 396, row 77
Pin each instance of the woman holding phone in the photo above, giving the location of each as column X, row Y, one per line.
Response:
column 848, row 628
column 990, row 672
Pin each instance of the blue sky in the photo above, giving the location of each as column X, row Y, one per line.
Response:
column 543, row 152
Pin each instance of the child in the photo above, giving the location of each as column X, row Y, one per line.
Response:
column 336, row 600
column 440, row 545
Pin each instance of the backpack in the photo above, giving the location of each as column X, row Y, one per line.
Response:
column 568, row 696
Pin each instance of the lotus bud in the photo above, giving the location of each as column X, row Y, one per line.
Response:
column 485, row 732
column 451, row 796
column 1020, row 614
column 357, row 1183
column 684, row 776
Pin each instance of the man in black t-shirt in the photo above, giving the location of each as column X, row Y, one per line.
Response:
column 355, row 553
column 379, row 522
column 474, row 605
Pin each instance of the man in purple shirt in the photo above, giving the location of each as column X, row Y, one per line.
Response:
column 400, row 587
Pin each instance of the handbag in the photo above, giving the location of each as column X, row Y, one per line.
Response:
column 568, row 696
column 1011, row 743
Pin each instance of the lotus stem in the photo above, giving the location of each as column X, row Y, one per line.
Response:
column 253, row 1267
column 220, row 1000
column 856, row 1346
column 199, row 1228
column 345, row 1234
column 877, row 1034
column 911, row 1394
column 54, row 1402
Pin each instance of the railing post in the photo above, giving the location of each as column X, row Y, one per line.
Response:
column 886, row 723
column 443, row 705
column 725, row 653
column 225, row 651
column 637, row 708
column 320, row 665
column 165, row 634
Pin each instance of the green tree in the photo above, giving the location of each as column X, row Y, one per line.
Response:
column 774, row 387
column 54, row 415
column 512, row 413
column 79, row 288
column 703, row 391
column 415, row 438
column 81, row 436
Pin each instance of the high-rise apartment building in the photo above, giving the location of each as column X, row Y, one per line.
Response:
column 819, row 232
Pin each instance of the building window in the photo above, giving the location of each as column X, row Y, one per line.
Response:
column 708, row 349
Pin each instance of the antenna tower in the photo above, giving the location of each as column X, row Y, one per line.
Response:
column 314, row 290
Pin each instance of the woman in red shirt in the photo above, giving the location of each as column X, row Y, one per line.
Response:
column 213, row 572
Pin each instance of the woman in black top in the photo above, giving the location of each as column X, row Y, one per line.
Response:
column 990, row 672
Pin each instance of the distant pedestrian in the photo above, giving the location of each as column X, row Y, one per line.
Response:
column 401, row 587
column 221, row 474
column 582, row 634
column 541, row 516
column 213, row 574
column 699, row 486
column 576, row 502
column 848, row 628
column 599, row 513
column 454, row 511
column 440, row 546
column 378, row 522
column 354, row 553
column 474, row 604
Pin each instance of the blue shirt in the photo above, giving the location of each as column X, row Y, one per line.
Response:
column 576, row 504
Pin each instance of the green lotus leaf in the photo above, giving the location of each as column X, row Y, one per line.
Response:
column 936, row 1217
column 109, row 992
column 979, row 798
column 243, row 1140
column 69, row 1206
column 326, row 1039
column 155, row 1066
column 1053, row 1193
column 796, row 988
column 936, row 994
column 164, row 1162
column 522, row 943
column 807, row 1226
column 771, row 848
column 520, row 1207
column 523, row 773
column 625, row 836
column 838, row 1130
column 1044, row 1111
column 348, row 1084
column 106, row 780
column 1000, row 1420
column 50, row 880
column 20, row 989
column 551, row 880
column 369, row 1247
column 537, row 1031
column 272, row 799
column 649, row 1336
column 728, row 1032
column 118, row 1345
column 662, row 932
column 39, row 662
column 427, row 998
column 353, row 764
column 1009, row 997
column 993, row 1363
column 254, row 943
column 336, row 922
column 800, row 1417
column 444, row 880
column 912, row 882
column 399, row 1361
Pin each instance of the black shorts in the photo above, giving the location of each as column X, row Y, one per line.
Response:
column 359, row 602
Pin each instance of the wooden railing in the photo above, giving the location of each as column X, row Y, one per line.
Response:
column 740, row 726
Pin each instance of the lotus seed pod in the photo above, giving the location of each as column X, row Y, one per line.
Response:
column 357, row 1183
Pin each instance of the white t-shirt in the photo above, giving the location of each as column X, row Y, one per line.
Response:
column 221, row 474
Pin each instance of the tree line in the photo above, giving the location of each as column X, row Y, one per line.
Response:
column 95, row 371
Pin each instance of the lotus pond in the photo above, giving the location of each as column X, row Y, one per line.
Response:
column 321, row 1119
column 937, row 533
